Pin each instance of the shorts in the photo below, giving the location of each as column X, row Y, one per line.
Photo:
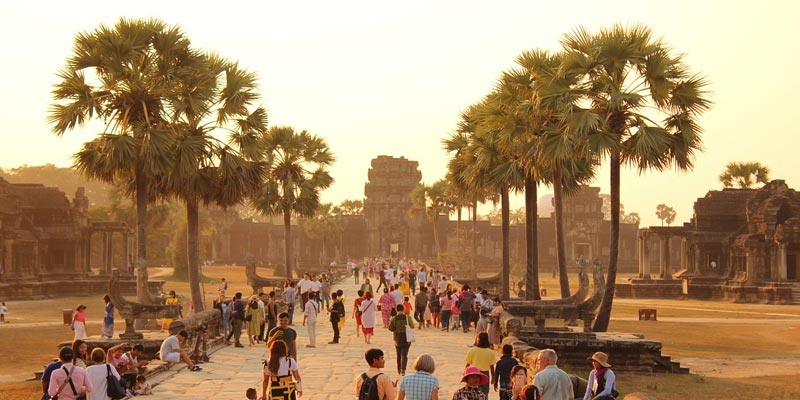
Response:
column 171, row 357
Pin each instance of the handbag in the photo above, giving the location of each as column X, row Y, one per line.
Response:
column 410, row 336
column 114, row 389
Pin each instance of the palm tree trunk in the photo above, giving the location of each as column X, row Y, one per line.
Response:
column 436, row 240
column 458, row 231
column 531, row 240
column 193, row 253
column 604, row 315
column 287, row 237
column 563, row 278
column 474, row 233
column 505, row 210
column 142, row 291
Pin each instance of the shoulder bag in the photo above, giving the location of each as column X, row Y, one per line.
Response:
column 410, row 336
column 113, row 388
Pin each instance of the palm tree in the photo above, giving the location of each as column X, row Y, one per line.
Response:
column 121, row 75
column 559, row 156
column 665, row 213
column 296, row 174
column 206, row 170
column 434, row 201
column 629, row 77
column 325, row 225
column 744, row 174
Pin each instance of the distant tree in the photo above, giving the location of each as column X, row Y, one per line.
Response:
column 349, row 207
column 632, row 218
column 324, row 226
column 744, row 174
column 433, row 201
column 666, row 214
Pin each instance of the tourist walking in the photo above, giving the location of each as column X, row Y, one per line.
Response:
column 493, row 321
column 3, row 311
column 97, row 374
column 289, row 296
column 69, row 381
column 501, row 379
column 172, row 300
column 237, row 319
column 387, row 304
column 466, row 307
column 367, row 309
column 366, row 287
column 357, row 311
column 446, row 305
column 225, row 309
column 421, row 303
column 272, row 312
column 553, row 383
column 602, row 381
column 483, row 357
column 79, row 322
column 421, row 385
column 337, row 313
column 374, row 384
column 108, row 319
column 281, row 375
column 473, row 379
column 285, row 333
column 401, row 344
column 325, row 291
column 310, row 320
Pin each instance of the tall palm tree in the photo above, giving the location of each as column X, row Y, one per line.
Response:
column 121, row 75
column 559, row 155
column 296, row 174
column 744, row 174
column 502, row 170
column 433, row 200
column 631, row 80
column 205, row 169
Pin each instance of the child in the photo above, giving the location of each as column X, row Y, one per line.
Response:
column 142, row 386
column 251, row 394
column 3, row 311
column 406, row 306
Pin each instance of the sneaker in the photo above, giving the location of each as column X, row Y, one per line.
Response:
column 239, row 345
column 333, row 342
column 196, row 368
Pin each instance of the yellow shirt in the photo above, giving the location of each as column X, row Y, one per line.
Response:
column 481, row 357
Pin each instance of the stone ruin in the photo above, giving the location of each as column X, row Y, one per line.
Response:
column 741, row 245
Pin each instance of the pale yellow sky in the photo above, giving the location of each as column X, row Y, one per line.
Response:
column 377, row 77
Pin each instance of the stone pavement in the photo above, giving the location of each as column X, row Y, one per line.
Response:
column 328, row 371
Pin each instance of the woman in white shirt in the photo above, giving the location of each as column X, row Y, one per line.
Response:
column 310, row 318
column 281, row 374
column 97, row 375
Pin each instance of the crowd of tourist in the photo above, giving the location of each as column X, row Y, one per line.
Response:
column 409, row 297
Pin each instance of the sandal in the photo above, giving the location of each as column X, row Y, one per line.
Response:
column 196, row 368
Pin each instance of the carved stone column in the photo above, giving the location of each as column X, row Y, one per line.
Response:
column 646, row 252
column 664, row 257
column 684, row 255
column 8, row 262
column 782, row 273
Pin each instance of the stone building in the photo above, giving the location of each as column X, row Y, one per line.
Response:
column 47, row 238
column 741, row 245
column 386, row 227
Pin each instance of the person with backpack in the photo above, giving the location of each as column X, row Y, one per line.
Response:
column 69, row 382
column 281, row 374
column 374, row 384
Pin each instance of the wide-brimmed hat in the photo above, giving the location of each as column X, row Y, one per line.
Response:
column 475, row 371
column 601, row 358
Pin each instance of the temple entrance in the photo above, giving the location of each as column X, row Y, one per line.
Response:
column 582, row 250
column 791, row 267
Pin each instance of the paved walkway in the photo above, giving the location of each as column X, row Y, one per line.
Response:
column 328, row 371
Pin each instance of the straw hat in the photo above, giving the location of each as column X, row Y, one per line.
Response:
column 475, row 371
column 601, row 358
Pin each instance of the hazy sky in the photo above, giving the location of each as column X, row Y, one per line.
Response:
column 378, row 77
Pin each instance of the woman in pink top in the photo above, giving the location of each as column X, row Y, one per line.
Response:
column 79, row 322
column 59, row 384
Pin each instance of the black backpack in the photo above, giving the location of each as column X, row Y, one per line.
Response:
column 369, row 387
column 114, row 389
